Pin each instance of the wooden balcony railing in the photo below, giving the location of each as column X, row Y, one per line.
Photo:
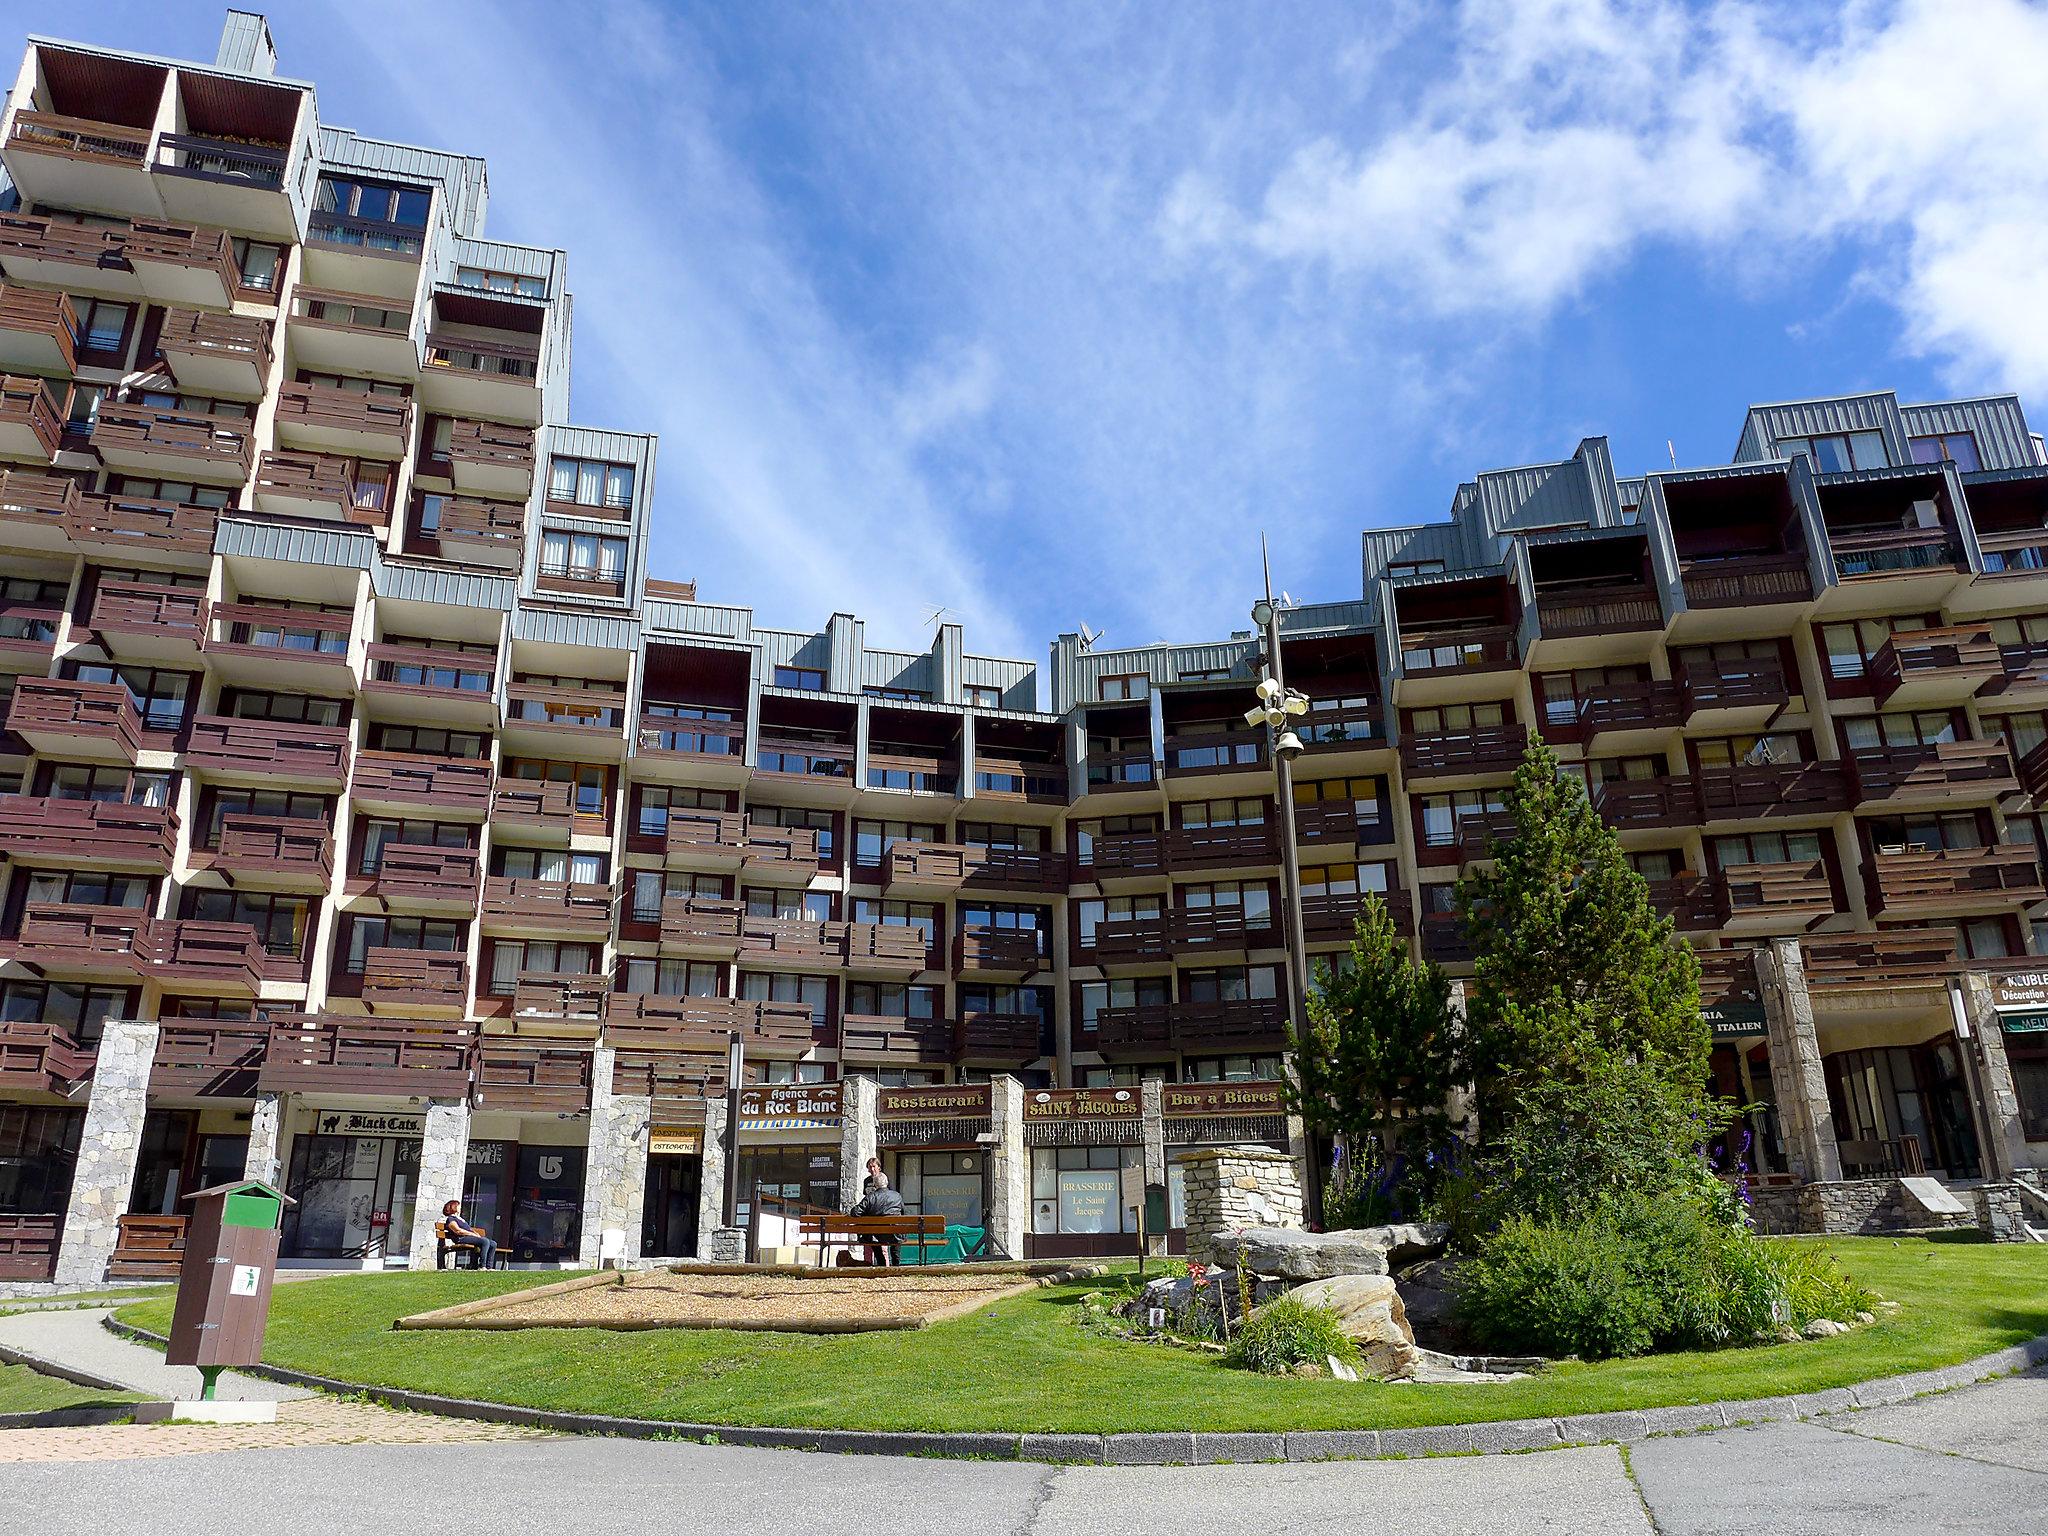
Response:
column 426, row 872
column 1128, row 939
column 281, row 749
column 1572, row 611
column 551, row 906
column 1013, row 778
column 358, row 314
column 1728, row 977
column 339, row 1053
column 1215, row 752
column 1342, row 821
column 894, row 1037
column 1957, row 770
column 266, row 630
column 1629, row 804
column 74, row 833
column 1124, row 856
column 37, row 500
column 692, row 835
column 145, row 608
column 521, row 1077
column 1799, row 890
column 429, row 672
column 1652, row 705
column 232, row 163
column 1444, row 939
column 66, row 708
column 498, row 526
column 507, row 361
column 127, row 523
column 804, row 759
column 81, row 138
column 210, row 1057
column 1223, row 847
column 1141, row 1029
column 326, row 408
column 26, row 402
column 1474, row 833
column 1131, row 769
column 1957, row 659
column 1235, row 1025
column 183, row 245
column 162, row 432
column 1938, row 881
column 275, row 846
column 1341, row 727
column 1767, row 791
column 1916, row 958
column 703, row 923
column 491, row 445
column 1225, row 927
column 891, row 947
column 1745, row 684
column 1447, row 652
column 545, row 801
column 199, row 333
column 44, row 312
column 397, row 980
column 1740, row 581
column 960, row 866
column 585, row 710
column 559, row 995
column 223, row 954
column 456, row 784
column 1008, row 951
column 666, row 734
column 1484, row 749
column 645, row 1021
column 1689, row 900
column 1004, row 1037
column 2014, row 551
column 42, row 1057
column 1332, row 915
column 915, row 773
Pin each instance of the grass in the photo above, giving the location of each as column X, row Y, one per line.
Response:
column 25, row 1391
column 1023, row 1365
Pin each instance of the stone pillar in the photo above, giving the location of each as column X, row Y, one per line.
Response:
column 1231, row 1188
column 711, row 1182
column 1796, row 1074
column 266, row 1139
column 1152, row 1102
column 615, row 1167
column 444, row 1154
column 858, row 1098
column 1009, row 1167
column 2007, row 1150
column 107, row 1150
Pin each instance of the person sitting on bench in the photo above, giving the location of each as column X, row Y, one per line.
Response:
column 879, row 1199
column 462, row 1235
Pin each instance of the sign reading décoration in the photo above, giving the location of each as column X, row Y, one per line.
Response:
column 2024, row 990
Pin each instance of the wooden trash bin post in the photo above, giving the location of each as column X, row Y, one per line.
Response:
column 224, row 1283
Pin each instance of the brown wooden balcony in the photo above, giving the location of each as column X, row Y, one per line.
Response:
column 645, row 1021
column 84, row 940
column 1881, row 552
column 261, row 751
column 242, row 168
column 535, row 802
column 1480, row 751
column 1452, row 652
column 332, row 420
column 1194, row 848
column 1568, row 612
column 1631, row 805
column 1935, row 666
column 352, row 332
column 1772, row 791
column 1444, row 940
column 188, row 953
column 942, row 867
column 424, row 877
column 1939, row 774
column 1920, row 959
column 490, row 458
column 54, row 250
column 708, row 925
column 216, row 354
column 891, row 1037
column 28, row 630
column 120, row 525
column 394, row 1057
column 40, row 507
column 322, row 486
column 1010, row 1038
column 1476, row 834
column 61, row 717
column 273, row 636
column 580, row 908
column 149, row 621
column 1728, row 979
column 470, row 375
column 1754, row 689
column 31, row 426
column 2016, row 552
column 42, row 1058
column 431, row 683
column 1012, row 778
column 1657, row 704
column 95, row 834
column 578, row 581
column 1240, row 1024
column 400, row 981
column 804, row 759
column 457, row 786
column 1130, row 769
column 590, row 713
column 1195, row 752
column 1332, row 916
column 1128, row 940
column 1013, row 952
column 1145, row 1029
column 700, row 839
column 560, row 995
column 1330, row 729
column 2025, row 671
column 1947, row 881
column 522, row 1077
column 913, row 772
column 1124, row 856
column 209, row 1058
column 79, row 138
column 275, row 853
column 1779, row 897
column 1340, row 822
column 781, row 855
column 28, row 1246
column 1224, row 927
column 163, row 441
column 1689, row 900
column 38, row 331
column 1744, row 581
column 890, row 948
column 675, row 736
column 183, row 264
column 488, row 532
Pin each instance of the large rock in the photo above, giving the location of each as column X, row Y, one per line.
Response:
column 1429, row 1293
column 1282, row 1253
column 1369, row 1310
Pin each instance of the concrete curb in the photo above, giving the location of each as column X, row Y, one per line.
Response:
column 1178, row 1448
column 70, row 1373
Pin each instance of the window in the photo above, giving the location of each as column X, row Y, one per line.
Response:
column 1202, row 814
column 811, row 991
column 920, row 915
column 1851, row 646
column 1927, row 832
column 526, row 286
column 38, row 1154
column 586, row 557
column 981, row 696
column 279, row 921
column 131, row 893
column 437, row 934
column 1097, row 910
column 651, row 888
column 820, row 822
column 1232, row 1069
column 1250, row 897
column 1959, row 448
column 290, row 805
column 1345, row 880
column 1022, row 1002
column 944, row 1184
column 1125, row 992
column 892, row 1000
column 1453, row 719
column 429, row 741
column 590, row 483
column 1443, row 815
column 1414, row 567
column 1562, row 691
column 159, row 697
column 985, row 834
column 1766, row 848
column 260, row 263
column 1125, row 685
column 77, row 1009
column 680, row 738
column 589, row 783
column 116, row 786
column 556, row 866
column 1364, row 798
column 297, row 708
column 809, row 679
column 1753, row 751
column 1833, row 453
column 1087, row 833
column 658, row 804
column 1921, row 728
column 978, row 916
column 547, row 957
column 1086, row 1190
column 357, row 206
column 789, row 906
column 103, row 327
column 1230, row 984
column 20, row 596
column 184, row 493
column 673, row 978
column 381, row 832
column 872, row 840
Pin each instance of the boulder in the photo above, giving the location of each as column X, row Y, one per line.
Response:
column 1282, row 1253
column 1429, row 1293
column 1409, row 1243
column 1369, row 1310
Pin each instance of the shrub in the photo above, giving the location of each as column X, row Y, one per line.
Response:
column 1285, row 1333
column 1545, row 1288
column 1815, row 1285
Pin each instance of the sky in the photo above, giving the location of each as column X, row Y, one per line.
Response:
column 1042, row 314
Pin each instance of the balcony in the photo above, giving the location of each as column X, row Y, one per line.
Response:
column 31, row 424
column 1734, row 694
column 28, row 633
column 1197, row 752
column 889, row 949
column 1689, row 900
column 1747, row 581
column 488, row 458
column 1472, row 836
column 41, row 1058
column 1875, row 553
column 1009, row 1039
column 702, row 926
column 178, row 264
column 940, row 869
column 325, row 419
column 38, row 332
column 81, row 162
column 427, row 879
column 800, row 761
column 1335, row 729
column 1129, row 769
column 118, row 526
column 1253, row 846
column 893, row 1038
column 1238, row 1024
column 573, row 580
column 1145, row 1029
column 38, row 511
column 1921, row 961
column 482, row 532
column 1438, row 653
column 1637, row 711
column 572, row 908
column 472, row 376
column 1934, row 776
column 911, row 773
column 1331, row 917
column 62, row 718
column 1635, row 805
column 401, row 781
column 352, row 333
column 1952, row 881
column 521, row 1078
column 394, row 1058
column 229, row 750
column 1480, row 752
column 162, row 441
column 266, row 645
column 2025, row 677
column 586, row 722
column 427, row 981
column 1016, row 779
column 1772, row 791
column 1566, row 613
column 231, row 183
column 657, row 1023
column 88, row 834
column 1205, row 929
column 537, row 805
column 216, row 354
column 1333, row 824
column 1119, row 941
column 1774, row 898
column 675, row 746
column 275, row 853
column 142, row 621
column 1920, row 667
column 1011, row 953
column 697, row 839
column 318, row 487
column 560, row 995
column 209, row 1058
column 2015, row 552
column 57, row 253
column 28, row 1246
column 81, row 940
column 430, row 685
column 216, row 959
column 1120, row 856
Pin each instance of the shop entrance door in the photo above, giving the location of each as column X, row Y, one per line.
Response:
column 668, row 1222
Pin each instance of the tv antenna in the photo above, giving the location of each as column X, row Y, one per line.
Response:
column 937, row 615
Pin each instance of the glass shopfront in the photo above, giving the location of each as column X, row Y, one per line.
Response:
column 948, row 1184
column 38, row 1151
column 1086, row 1191
column 547, row 1205
column 356, row 1193
column 809, row 1174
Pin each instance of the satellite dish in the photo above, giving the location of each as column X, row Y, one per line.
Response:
column 1089, row 636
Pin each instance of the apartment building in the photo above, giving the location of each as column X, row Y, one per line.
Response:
column 373, row 822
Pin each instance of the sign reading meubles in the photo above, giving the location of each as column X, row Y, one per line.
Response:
column 2019, row 989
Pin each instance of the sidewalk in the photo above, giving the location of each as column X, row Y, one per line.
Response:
column 76, row 1339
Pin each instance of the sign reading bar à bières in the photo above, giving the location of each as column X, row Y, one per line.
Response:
column 1213, row 1099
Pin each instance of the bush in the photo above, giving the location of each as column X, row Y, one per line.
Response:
column 1543, row 1288
column 1285, row 1333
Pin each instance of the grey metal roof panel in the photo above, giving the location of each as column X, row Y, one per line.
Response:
column 419, row 582
column 1998, row 423
column 557, row 626
column 1877, row 411
column 346, row 548
column 670, row 617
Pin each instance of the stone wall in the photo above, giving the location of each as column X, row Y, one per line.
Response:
column 1876, row 1207
column 107, row 1149
column 265, row 1160
column 1998, row 1213
column 615, row 1168
column 444, row 1154
column 1230, row 1188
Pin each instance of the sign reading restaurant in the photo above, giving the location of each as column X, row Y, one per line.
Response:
column 944, row 1101
column 1066, row 1104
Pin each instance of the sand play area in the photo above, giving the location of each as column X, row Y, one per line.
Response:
column 754, row 1297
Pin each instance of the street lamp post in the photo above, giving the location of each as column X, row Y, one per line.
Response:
column 735, row 1067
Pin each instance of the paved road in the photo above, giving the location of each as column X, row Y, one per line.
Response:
column 1970, row 1461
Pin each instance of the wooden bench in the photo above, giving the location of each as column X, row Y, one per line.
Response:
column 148, row 1248
column 445, row 1245
column 830, row 1227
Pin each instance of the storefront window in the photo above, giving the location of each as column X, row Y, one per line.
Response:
column 1086, row 1190
column 38, row 1150
column 947, row 1184
column 547, row 1207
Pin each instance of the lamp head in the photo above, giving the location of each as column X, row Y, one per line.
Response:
column 1256, row 715
column 1262, row 613
column 1269, row 690
column 1288, row 746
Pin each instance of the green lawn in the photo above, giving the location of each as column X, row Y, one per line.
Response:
column 1023, row 1365
column 25, row 1391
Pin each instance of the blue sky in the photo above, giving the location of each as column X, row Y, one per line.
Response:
column 1040, row 313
